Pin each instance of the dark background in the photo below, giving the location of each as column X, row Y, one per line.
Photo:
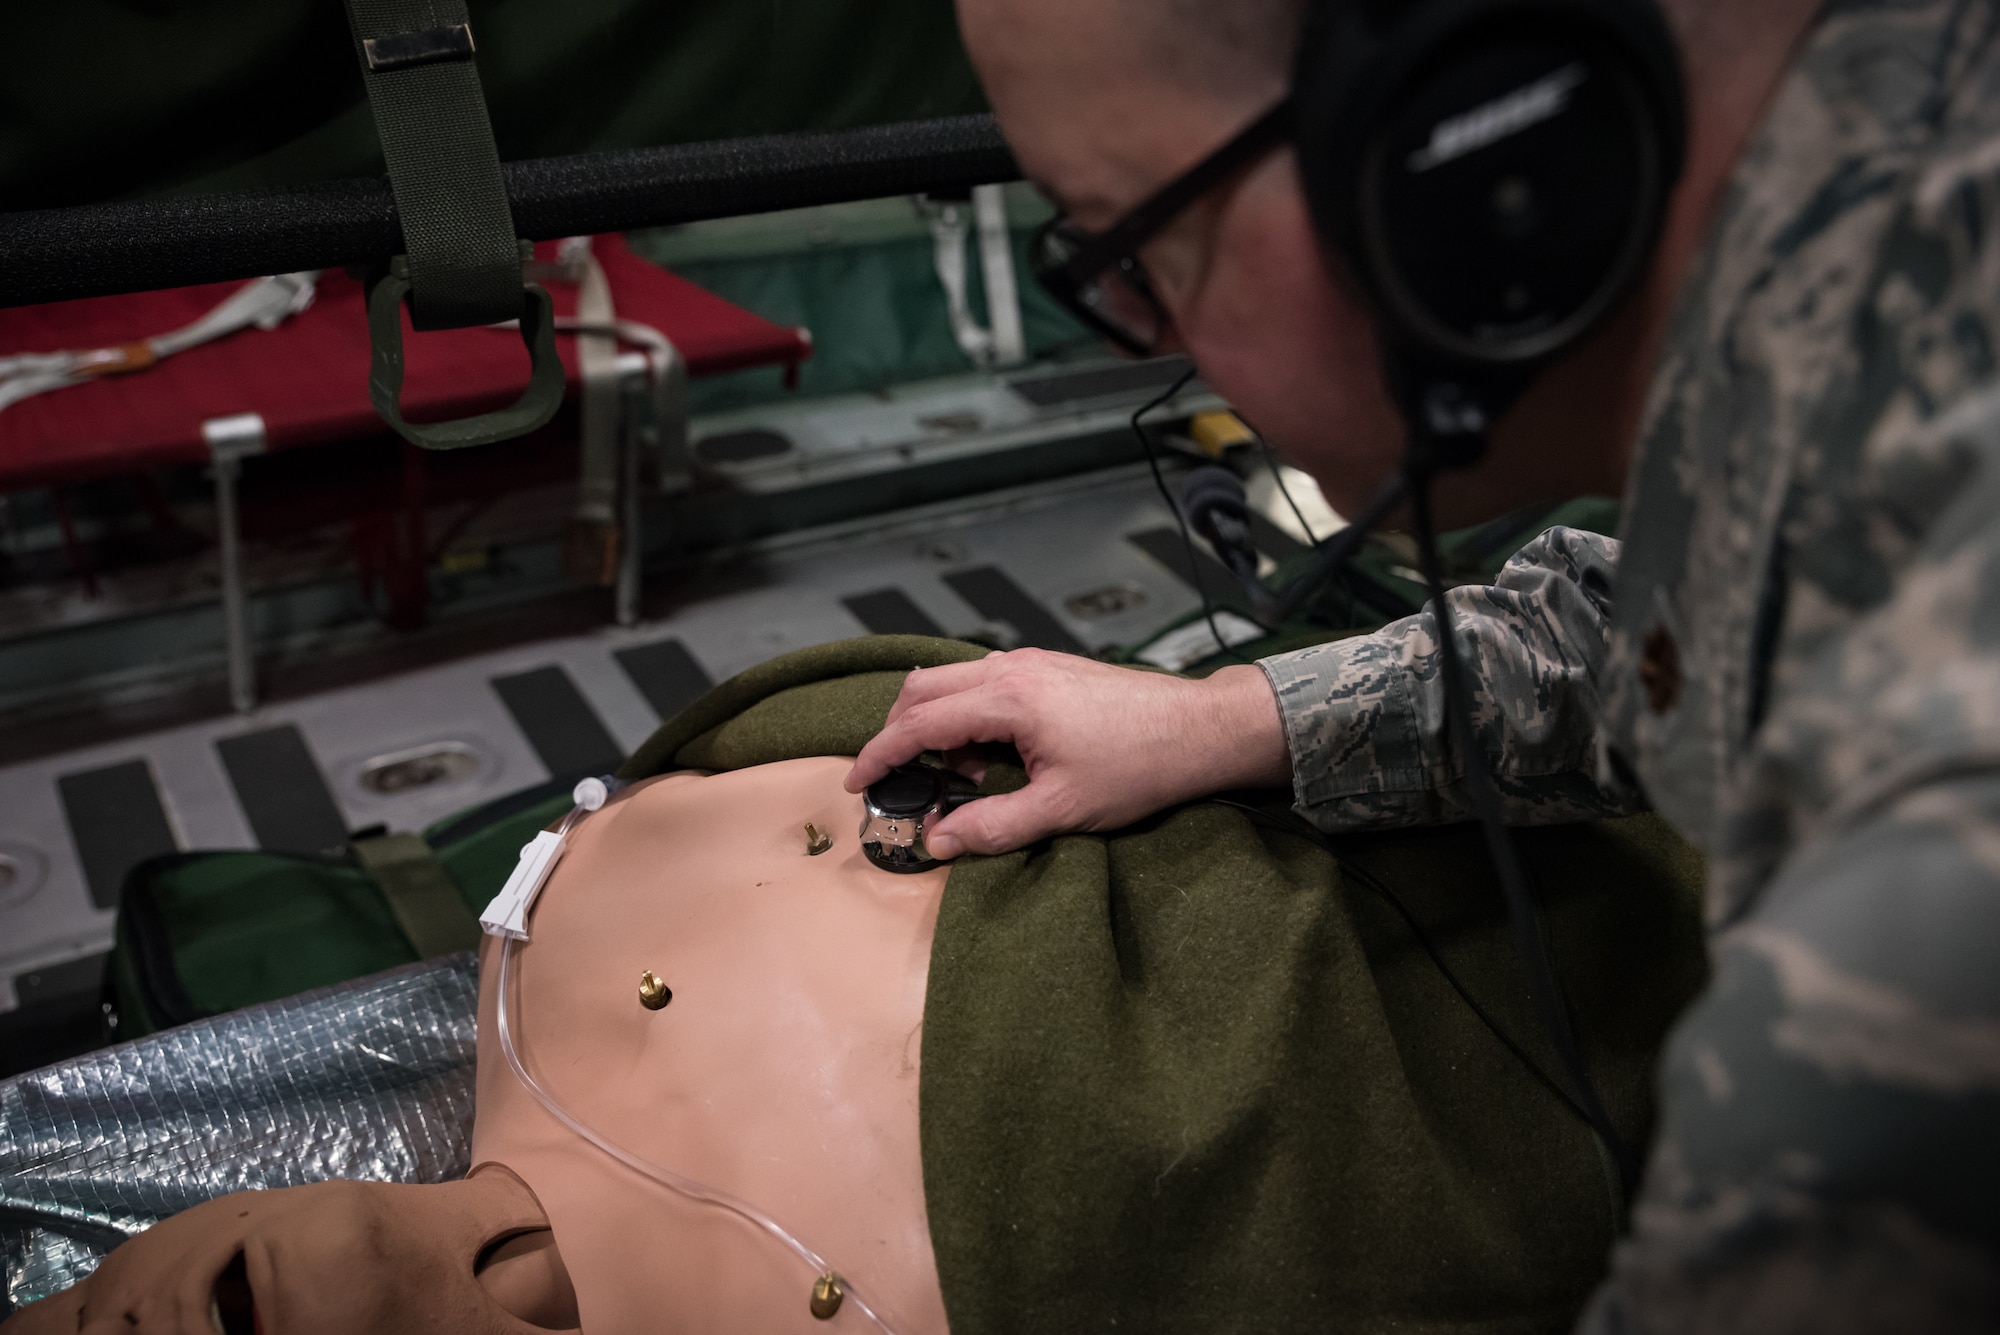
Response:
column 113, row 99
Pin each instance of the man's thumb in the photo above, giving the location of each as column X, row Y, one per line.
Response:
column 998, row 824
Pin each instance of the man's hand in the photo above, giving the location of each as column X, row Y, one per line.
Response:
column 1103, row 745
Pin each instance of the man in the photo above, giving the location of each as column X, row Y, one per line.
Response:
column 1795, row 656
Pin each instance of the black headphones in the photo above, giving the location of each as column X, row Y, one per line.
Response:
column 1492, row 173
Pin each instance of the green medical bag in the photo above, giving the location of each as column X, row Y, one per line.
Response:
column 203, row 933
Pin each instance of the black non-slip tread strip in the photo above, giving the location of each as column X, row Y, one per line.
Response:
column 52, row 983
column 558, row 722
column 891, row 612
column 282, row 792
column 995, row 596
column 666, row 674
column 1100, row 382
column 138, row 245
column 116, row 821
column 488, row 814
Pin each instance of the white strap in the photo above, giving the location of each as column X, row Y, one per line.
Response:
column 1001, row 341
column 669, row 377
column 996, row 265
column 596, row 322
column 34, row 373
column 948, row 231
column 597, row 360
column 264, row 302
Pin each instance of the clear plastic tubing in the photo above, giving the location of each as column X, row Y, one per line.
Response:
column 674, row 1182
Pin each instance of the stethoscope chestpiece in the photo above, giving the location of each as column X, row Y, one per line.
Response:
column 896, row 812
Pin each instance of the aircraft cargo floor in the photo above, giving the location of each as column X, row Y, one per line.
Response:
column 1063, row 565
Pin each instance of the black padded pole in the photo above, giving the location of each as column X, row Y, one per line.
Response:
column 98, row 249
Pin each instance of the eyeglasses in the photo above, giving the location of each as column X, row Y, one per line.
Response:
column 1098, row 277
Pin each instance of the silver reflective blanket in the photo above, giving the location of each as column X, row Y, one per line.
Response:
column 371, row 1080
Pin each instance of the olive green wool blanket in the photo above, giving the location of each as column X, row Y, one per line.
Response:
column 1202, row 1074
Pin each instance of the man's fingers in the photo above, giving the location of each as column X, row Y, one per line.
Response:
column 926, row 684
column 945, row 724
column 1002, row 823
column 922, row 687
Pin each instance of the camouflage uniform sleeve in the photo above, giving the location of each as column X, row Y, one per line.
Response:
column 1364, row 717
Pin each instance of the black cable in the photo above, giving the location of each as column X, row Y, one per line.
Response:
column 1514, row 885
column 1187, row 539
column 1330, row 552
column 1278, row 477
column 1348, row 867
column 1412, row 482
column 1312, row 539
column 1333, row 553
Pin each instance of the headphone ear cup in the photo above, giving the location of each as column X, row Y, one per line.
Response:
column 1493, row 173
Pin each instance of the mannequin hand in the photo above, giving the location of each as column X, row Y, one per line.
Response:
column 1103, row 745
column 330, row 1257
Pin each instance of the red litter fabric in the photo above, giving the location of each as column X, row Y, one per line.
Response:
column 309, row 377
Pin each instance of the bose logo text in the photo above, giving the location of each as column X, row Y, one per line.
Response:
column 1530, row 104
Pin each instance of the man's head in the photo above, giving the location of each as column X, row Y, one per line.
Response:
column 1221, row 63
column 1104, row 101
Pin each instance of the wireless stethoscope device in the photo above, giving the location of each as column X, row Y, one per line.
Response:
column 899, row 809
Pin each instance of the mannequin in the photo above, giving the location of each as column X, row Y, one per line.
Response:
column 814, row 965
column 783, row 1070
column 1197, row 1074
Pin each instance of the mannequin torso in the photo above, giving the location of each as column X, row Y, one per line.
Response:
column 783, row 1071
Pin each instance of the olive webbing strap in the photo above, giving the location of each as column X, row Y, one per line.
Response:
column 421, row 895
column 462, row 262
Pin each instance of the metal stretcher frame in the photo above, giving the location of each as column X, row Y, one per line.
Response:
column 225, row 401
column 637, row 379
column 63, row 254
